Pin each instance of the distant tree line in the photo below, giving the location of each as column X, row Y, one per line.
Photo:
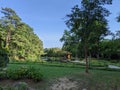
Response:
column 54, row 52
column 17, row 39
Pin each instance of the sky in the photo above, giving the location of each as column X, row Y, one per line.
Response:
column 47, row 17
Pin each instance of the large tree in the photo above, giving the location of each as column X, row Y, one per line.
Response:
column 18, row 38
column 9, row 21
column 88, row 23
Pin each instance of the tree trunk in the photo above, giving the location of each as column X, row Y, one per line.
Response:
column 98, row 56
column 8, row 38
column 76, row 56
column 98, row 53
column 0, row 43
column 86, row 57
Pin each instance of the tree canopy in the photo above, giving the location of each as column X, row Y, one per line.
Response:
column 18, row 38
column 88, row 24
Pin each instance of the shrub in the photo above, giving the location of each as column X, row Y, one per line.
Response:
column 13, row 74
column 34, row 74
column 24, row 72
column 17, row 73
column 3, row 58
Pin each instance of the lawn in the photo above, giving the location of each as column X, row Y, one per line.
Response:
column 95, row 80
column 50, row 71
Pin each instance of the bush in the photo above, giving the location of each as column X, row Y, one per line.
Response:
column 34, row 74
column 3, row 58
column 16, row 73
column 24, row 72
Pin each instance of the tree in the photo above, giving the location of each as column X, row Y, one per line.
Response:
column 70, row 43
column 18, row 38
column 88, row 23
column 110, row 49
column 10, row 22
column 3, row 52
column 25, row 44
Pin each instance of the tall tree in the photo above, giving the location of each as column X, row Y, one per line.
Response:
column 10, row 21
column 89, row 23
column 18, row 37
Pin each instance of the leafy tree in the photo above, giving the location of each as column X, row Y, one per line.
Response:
column 88, row 23
column 18, row 38
column 9, row 21
column 27, row 45
column 3, row 52
column 3, row 57
column 110, row 49
column 70, row 43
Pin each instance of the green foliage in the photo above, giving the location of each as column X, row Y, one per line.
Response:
column 55, row 52
column 34, row 74
column 18, row 37
column 88, row 26
column 22, row 72
column 27, row 46
column 3, row 57
column 110, row 49
column 17, row 73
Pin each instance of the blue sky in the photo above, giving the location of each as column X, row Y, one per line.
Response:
column 46, row 17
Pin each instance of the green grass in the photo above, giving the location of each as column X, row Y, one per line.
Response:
column 50, row 71
column 102, row 63
column 99, row 80
column 95, row 80
column 57, row 69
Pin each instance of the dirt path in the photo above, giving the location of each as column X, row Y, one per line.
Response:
column 64, row 84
